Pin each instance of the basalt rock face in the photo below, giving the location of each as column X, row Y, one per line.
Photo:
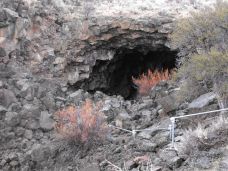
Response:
column 50, row 49
column 89, row 44
column 107, row 42
column 64, row 39
column 75, row 43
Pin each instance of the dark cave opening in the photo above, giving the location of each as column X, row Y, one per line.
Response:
column 114, row 77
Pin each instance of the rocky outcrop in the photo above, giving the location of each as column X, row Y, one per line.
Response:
column 65, row 39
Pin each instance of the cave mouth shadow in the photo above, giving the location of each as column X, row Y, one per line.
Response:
column 114, row 77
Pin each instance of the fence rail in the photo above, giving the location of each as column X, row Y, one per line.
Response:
column 171, row 127
column 134, row 131
column 173, row 120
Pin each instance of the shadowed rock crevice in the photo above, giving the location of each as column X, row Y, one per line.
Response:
column 114, row 77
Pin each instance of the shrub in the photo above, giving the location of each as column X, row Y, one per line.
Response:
column 202, row 31
column 209, row 71
column 190, row 90
column 202, row 41
column 84, row 125
column 147, row 81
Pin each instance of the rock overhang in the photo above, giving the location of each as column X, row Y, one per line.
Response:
column 117, row 39
column 79, row 33
column 103, row 41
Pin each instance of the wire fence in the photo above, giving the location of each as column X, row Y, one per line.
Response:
column 134, row 131
column 171, row 127
column 173, row 120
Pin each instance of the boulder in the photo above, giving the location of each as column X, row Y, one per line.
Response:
column 77, row 96
column 203, row 100
column 130, row 165
column 147, row 104
column 161, row 139
column 169, row 103
column 145, row 134
column 7, row 97
column 21, row 83
column 171, row 158
column 26, row 89
column 2, row 112
column 46, row 122
column 31, row 111
column 10, row 14
column 2, row 52
column 12, row 118
column 32, row 124
column 107, row 105
column 49, row 101
column 203, row 162
column 73, row 77
column 28, row 134
column 157, row 128
column 147, row 146
column 40, row 153
column 41, row 92
column 123, row 120
column 116, row 102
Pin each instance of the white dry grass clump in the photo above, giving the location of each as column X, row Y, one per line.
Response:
column 192, row 139
column 128, row 8
column 29, row 2
column 139, row 8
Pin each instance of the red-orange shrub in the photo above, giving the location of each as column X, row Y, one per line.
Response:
column 147, row 81
column 83, row 125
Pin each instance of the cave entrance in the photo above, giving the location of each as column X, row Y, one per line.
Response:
column 114, row 77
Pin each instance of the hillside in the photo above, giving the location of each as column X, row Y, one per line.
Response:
column 90, row 85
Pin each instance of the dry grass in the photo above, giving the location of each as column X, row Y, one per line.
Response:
column 147, row 81
column 204, row 137
column 180, row 1
column 83, row 125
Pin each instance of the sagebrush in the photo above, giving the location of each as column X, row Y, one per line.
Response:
column 83, row 125
column 209, row 72
column 202, row 41
column 202, row 31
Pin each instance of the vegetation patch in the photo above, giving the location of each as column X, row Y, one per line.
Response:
column 202, row 31
column 148, row 80
column 204, row 138
column 83, row 126
column 202, row 41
